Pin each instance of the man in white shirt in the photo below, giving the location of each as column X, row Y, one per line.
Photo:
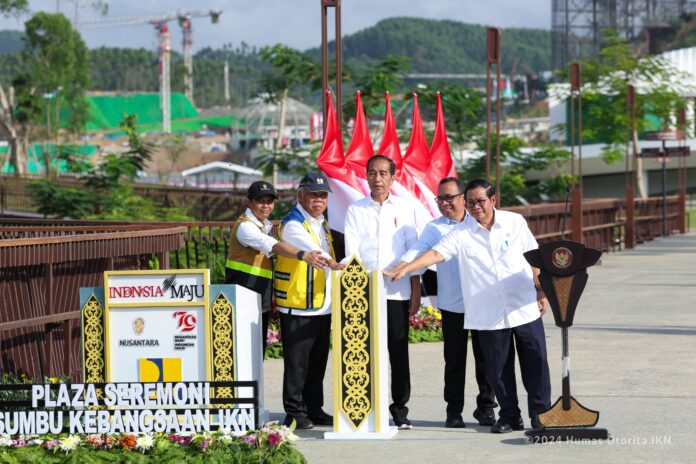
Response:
column 303, row 295
column 450, row 202
column 503, row 300
column 251, row 246
column 378, row 230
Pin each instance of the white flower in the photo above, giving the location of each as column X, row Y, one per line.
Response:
column 144, row 443
column 36, row 441
column 5, row 440
column 68, row 444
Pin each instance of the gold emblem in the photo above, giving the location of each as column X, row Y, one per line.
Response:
column 138, row 325
column 562, row 257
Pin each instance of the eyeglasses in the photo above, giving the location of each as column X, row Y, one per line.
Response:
column 322, row 195
column 473, row 203
column 447, row 198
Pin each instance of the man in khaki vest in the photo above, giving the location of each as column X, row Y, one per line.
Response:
column 251, row 246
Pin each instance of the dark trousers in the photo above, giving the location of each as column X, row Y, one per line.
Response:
column 499, row 354
column 456, row 339
column 305, row 352
column 397, row 342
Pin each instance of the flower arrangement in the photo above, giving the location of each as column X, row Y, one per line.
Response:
column 274, row 347
column 425, row 325
column 270, row 444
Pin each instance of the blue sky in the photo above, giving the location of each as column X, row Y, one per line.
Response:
column 293, row 22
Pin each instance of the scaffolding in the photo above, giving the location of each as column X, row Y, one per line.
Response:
column 577, row 25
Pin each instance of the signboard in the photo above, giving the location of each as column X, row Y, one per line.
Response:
column 667, row 152
column 156, row 324
column 172, row 326
column 678, row 151
column 181, row 407
column 667, row 135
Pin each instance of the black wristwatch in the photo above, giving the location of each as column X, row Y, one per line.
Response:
column 300, row 254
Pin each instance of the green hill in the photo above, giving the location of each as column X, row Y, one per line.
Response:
column 443, row 46
column 434, row 46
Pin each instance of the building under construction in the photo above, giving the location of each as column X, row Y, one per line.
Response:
column 577, row 26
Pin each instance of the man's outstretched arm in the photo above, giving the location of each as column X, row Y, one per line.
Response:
column 428, row 258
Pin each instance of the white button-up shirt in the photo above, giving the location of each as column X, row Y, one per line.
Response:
column 378, row 235
column 254, row 234
column 449, row 292
column 296, row 235
column 496, row 281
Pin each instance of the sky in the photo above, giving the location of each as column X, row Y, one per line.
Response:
column 296, row 23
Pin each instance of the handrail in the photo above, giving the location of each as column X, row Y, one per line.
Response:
column 91, row 237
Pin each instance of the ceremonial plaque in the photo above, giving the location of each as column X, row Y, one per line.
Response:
column 563, row 276
column 172, row 326
column 360, row 360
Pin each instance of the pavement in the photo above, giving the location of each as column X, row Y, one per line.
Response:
column 631, row 347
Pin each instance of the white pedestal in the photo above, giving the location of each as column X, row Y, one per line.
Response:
column 248, row 352
column 360, row 356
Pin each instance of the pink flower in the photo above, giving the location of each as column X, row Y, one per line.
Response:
column 273, row 439
column 50, row 444
column 273, row 336
column 204, row 444
column 21, row 443
column 250, row 439
column 180, row 439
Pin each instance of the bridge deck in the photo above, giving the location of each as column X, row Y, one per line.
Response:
column 631, row 347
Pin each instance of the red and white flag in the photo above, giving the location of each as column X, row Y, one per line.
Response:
column 417, row 162
column 404, row 184
column 441, row 164
column 331, row 160
column 418, row 171
column 360, row 149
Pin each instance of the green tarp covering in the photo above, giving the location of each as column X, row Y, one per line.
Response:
column 35, row 163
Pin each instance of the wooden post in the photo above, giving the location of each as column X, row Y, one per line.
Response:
column 576, row 217
column 629, row 226
column 336, row 5
column 492, row 56
column 164, row 260
column 682, row 211
column 629, row 230
column 577, row 213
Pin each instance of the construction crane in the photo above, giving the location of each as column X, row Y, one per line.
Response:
column 164, row 49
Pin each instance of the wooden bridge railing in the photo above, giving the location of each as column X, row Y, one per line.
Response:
column 40, row 277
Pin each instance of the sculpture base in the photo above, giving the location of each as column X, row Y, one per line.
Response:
column 549, row 435
column 390, row 433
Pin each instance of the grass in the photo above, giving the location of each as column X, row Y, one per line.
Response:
column 691, row 219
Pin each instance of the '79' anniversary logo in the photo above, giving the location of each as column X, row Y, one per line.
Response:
column 185, row 321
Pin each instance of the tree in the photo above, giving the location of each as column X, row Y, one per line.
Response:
column 516, row 160
column 464, row 115
column 605, row 81
column 108, row 187
column 56, row 77
column 374, row 81
column 463, row 107
column 13, row 7
column 291, row 68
